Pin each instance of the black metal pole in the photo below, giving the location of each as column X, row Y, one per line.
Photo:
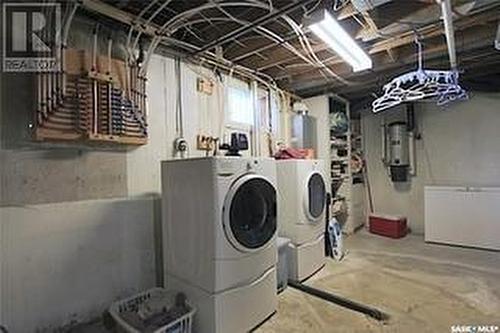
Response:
column 372, row 312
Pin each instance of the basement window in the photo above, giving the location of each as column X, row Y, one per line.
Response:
column 239, row 108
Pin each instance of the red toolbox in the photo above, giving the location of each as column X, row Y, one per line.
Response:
column 388, row 225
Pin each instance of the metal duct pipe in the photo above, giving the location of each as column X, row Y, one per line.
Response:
column 411, row 127
column 110, row 48
column 94, row 81
column 497, row 39
column 449, row 31
column 383, row 127
column 46, row 78
column 410, row 117
column 39, row 98
column 412, row 170
column 109, row 86
column 64, row 46
column 363, row 5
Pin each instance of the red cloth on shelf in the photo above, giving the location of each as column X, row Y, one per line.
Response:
column 294, row 154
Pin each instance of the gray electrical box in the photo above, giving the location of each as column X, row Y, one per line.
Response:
column 304, row 131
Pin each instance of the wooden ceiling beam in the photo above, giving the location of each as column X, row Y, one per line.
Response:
column 408, row 37
column 257, row 48
column 436, row 52
column 436, row 48
column 433, row 30
column 348, row 11
column 405, row 39
column 273, row 15
column 282, row 57
column 372, row 84
column 345, row 13
column 371, row 31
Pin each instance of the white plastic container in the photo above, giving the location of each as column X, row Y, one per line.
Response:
column 182, row 324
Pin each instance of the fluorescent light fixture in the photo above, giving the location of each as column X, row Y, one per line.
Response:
column 330, row 31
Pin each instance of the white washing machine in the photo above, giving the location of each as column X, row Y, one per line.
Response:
column 219, row 239
column 302, row 188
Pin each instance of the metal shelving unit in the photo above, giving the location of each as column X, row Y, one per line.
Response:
column 347, row 182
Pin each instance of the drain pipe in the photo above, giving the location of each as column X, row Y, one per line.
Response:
column 449, row 31
column 344, row 302
column 497, row 39
column 412, row 132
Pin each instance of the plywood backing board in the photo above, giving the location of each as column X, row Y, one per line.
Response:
column 79, row 62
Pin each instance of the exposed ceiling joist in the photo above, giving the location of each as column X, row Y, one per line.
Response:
column 435, row 54
column 274, row 14
column 387, row 29
column 432, row 31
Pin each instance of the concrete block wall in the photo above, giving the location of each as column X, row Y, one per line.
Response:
column 63, row 263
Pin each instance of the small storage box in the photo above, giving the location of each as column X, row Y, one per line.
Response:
column 388, row 225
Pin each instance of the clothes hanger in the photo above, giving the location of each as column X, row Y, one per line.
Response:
column 440, row 86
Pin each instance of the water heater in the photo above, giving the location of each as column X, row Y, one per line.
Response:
column 399, row 156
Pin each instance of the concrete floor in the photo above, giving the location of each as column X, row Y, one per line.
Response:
column 423, row 287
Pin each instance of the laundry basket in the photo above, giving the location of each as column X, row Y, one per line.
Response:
column 167, row 315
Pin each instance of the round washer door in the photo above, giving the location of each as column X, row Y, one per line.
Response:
column 315, row 196
column 249, row 213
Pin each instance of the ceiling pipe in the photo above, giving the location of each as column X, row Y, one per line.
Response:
column 151, row 29
column 497, row 39
column 273, row 15
column 449, row 31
